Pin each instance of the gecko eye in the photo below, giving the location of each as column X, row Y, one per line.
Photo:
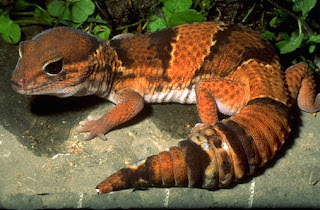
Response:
column 53, row 67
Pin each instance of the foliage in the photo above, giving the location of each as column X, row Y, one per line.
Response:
column 177, row 12
column 73, row 13
column 74, row 10
column 83, row 14
column 293, row 41
column 9, row 30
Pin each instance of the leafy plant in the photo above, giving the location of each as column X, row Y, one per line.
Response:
column 73, row 13
column 304, row 37
column 291, row 43
column 100, row 30
column 304, row 6
column 9, row 30
column 175, row 12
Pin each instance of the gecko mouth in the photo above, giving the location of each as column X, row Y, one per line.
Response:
column 25, row 91
column 19, row 89
column 61, row 92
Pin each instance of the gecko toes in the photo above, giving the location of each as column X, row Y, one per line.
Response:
column 102, row 136
column 92, row 135
column 89, row 136
column 82, row 128
column 93, row 128
column 89, row 118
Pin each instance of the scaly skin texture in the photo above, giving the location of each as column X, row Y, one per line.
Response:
column 218, row 66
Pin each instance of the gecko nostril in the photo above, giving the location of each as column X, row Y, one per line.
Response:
column 18, row 85
column 23, row 82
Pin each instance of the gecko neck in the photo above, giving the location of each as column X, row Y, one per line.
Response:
column 103, row 65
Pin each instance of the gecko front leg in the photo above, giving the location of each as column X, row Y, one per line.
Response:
column 130, row 103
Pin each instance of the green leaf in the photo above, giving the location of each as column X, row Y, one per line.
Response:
column 272, row 22
column 281, row 44
column 76, row 11
column 56, row 8
column 42, row 16
column 37, row 13
column 167, row 13
column 10, row 31
column 312, row 48
column 70, row 23
column 80, row 10
column 307, row 6
column 186, row 16
column 268, row 35
column 294, row 43
column 157, row 24
column 297, row 5
column 285, row 36
column 96, row 20
column 103, row 31
column 21, row 5
column 315, row 38
column 304, row 6
column 178, row 5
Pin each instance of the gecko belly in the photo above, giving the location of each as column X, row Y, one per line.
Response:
column 184, row 96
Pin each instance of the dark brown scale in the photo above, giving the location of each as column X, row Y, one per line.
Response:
column 247, row 143
column 236, row 147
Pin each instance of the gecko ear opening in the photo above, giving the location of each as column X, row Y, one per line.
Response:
column 53, row 67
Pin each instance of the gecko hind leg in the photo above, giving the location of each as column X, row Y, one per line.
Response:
column 218, row 94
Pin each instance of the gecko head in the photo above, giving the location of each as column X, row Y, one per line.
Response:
column 55, row 62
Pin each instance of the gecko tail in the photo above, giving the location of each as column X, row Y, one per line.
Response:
column 216, row 155
column 181, row 166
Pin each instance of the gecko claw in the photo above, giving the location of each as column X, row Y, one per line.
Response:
column 91, row 136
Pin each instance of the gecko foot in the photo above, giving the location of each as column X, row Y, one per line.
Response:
column 93, row 127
